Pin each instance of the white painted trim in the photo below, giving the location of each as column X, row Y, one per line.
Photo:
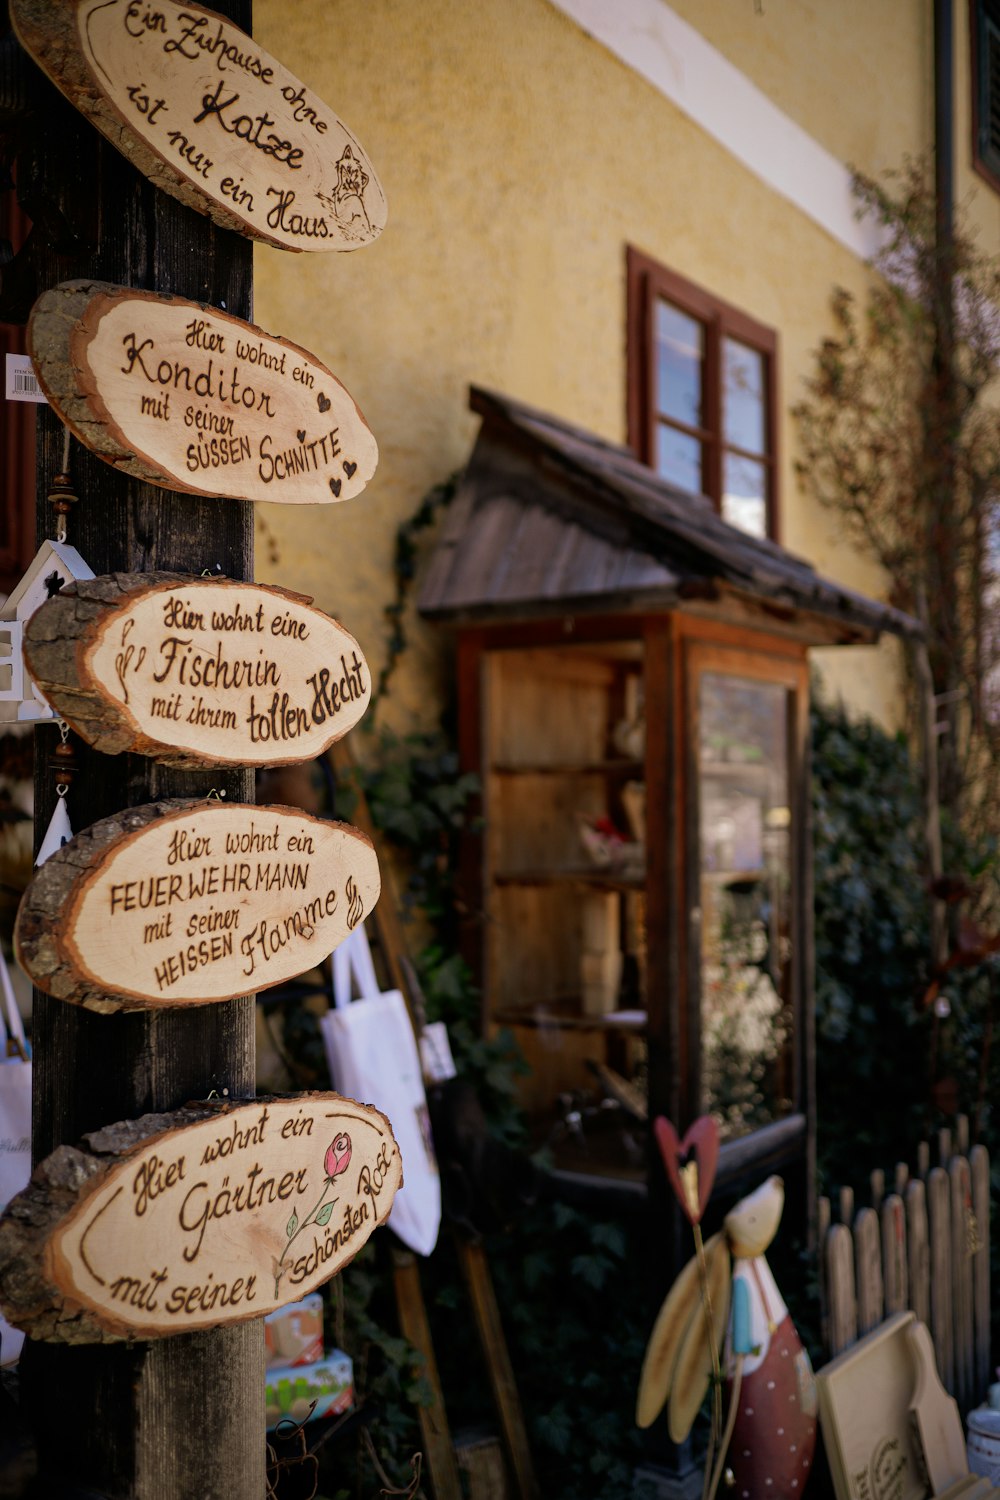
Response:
column 676, row 59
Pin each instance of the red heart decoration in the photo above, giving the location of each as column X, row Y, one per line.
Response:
column 701, row 1142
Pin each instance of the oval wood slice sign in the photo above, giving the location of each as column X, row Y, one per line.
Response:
column 197, row 671
column 182, row 903
column 173, row 1223
column 209, row 117
column 182, row 395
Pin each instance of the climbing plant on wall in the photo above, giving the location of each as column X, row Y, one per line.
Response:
column 898, row 437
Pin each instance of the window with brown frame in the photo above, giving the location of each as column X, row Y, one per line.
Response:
column 702, row 394
column 984, row 30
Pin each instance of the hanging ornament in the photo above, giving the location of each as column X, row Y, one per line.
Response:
column 55, row 563
column 63, row 764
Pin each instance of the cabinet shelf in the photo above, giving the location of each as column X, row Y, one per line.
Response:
column 542, row 1017
column 599, row 879
column 617, row 767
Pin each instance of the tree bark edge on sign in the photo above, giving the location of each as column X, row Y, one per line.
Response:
column 336, row 1183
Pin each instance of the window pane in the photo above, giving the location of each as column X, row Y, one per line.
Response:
column 680, row 350
column 992, row 113
column 745, row 881
column 744, row 494
column 678, row 458
column 743, row 396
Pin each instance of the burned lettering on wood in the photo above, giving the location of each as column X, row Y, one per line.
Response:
column 186, row 396
column 181, row 1222
column 183, row 903
column 197, row 671
column 210, row 118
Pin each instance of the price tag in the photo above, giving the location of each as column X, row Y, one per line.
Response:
column 21, row 383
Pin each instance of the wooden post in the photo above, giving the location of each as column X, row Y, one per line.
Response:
column 179, row 1416
column 868, row 1270
column 939, row 1223
column 441, row 1462
column 505, row 1395
column 894, row 1266
column 839, row 1252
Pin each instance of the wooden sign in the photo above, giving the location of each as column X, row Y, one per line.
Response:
column 179, row 1222
column 182, row 903
column 197, row 671
column 179, row 394
column 877, row 1401
column 209, row 117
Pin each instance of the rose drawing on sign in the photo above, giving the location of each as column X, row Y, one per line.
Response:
column 335, row 1164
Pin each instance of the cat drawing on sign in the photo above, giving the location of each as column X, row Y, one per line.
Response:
column 347, row 199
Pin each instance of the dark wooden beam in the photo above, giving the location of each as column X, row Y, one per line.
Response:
column 181, row 1416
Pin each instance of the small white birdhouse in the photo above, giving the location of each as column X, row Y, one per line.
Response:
column 54, row 564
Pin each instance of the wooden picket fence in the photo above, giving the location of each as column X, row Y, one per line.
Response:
column 925, row 1246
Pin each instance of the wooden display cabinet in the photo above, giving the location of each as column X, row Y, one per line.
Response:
column 640, row 878
column 623, row 653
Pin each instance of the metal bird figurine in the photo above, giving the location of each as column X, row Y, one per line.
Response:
column 770, row 1433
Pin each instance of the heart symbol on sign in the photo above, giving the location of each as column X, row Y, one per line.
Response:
column 301, row 434
column 335, row 486
column 690, row 1162
column 349, row 468
column 323, row 402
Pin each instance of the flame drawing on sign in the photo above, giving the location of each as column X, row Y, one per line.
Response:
column 356, row 907
column 124, row 657
column 335, row 1163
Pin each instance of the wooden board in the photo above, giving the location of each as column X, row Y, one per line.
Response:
column 935, row 1416
column 197, row 671
column 941, row 1321
column 868, row 1269
column 918, row 1253
column 183, row 395
column 870, row 1436
column 486, row 1311
column 209, row 117
column 894, row 1267
column 187, row 902
column 964, row 1240
column 212, row 1214
column 979, row 1163
column 415, row 1328
column 838, row 1251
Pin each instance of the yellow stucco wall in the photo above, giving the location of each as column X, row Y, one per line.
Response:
column 858, row 75
column 519, row 158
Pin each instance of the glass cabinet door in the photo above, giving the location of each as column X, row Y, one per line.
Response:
column 742, row 908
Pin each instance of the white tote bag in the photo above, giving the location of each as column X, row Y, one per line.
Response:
column 373, row 1058
column 15, row 1128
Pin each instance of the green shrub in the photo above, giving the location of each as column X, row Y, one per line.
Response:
column 872, row 947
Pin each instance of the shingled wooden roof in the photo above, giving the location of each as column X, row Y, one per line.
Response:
column 549, row 518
